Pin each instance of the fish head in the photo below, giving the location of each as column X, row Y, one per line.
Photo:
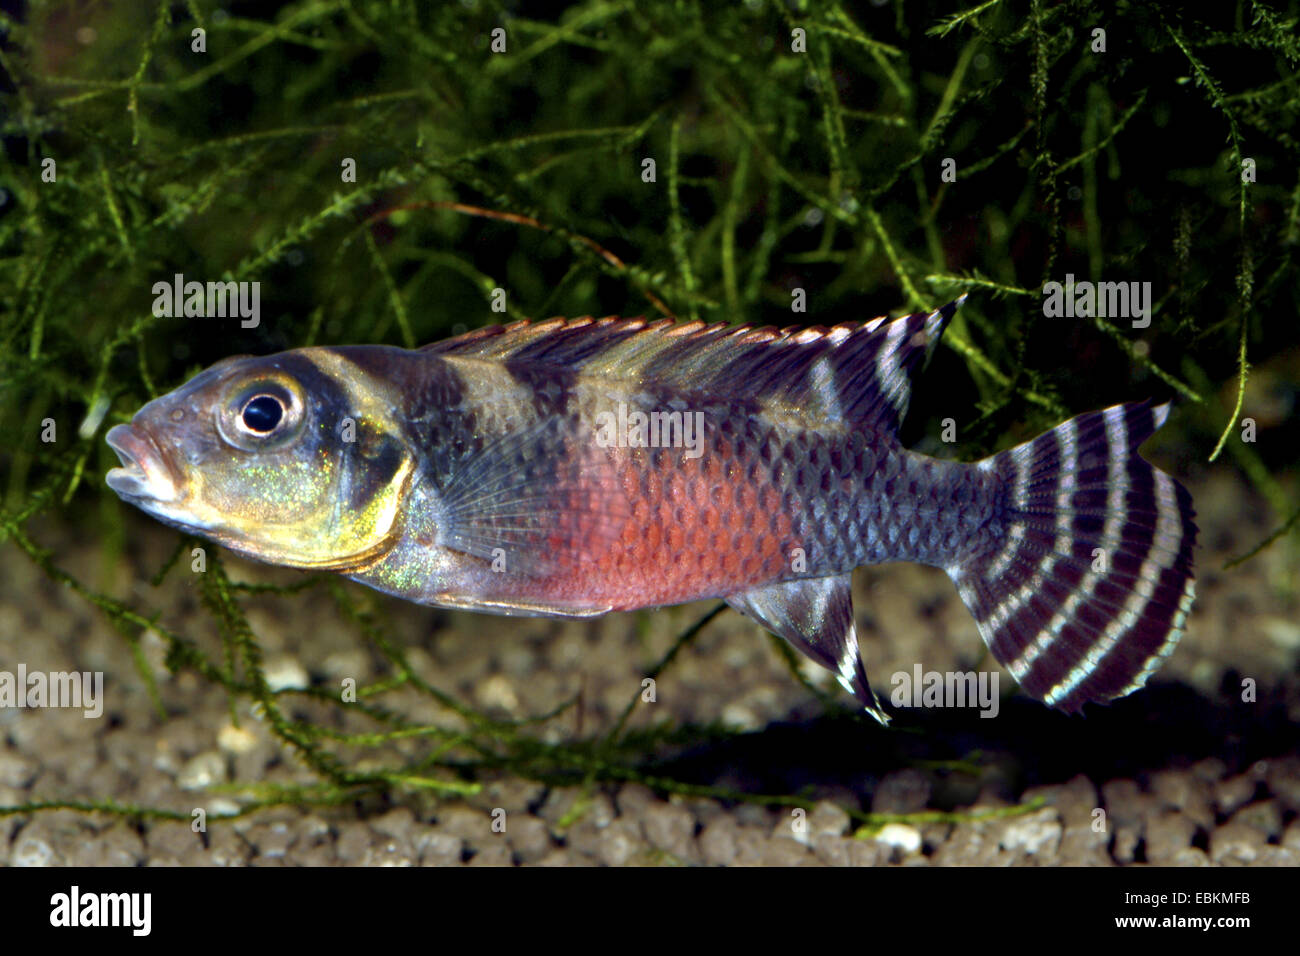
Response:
column 275, row 457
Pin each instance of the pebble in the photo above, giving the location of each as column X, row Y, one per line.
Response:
column 755, row 848
column 513, row 796
column 396, row 824
column 1291, row 838
column 865, row 853
column 354, row 839
column 1235, row 843
column 741, row 718
column 1187, row 793
column 202, row 771
column 932, row 834
column 1285, row 634
column 1076, row 801
column 704, row 811
column 1173, row 788
column 313, row 831
column 1084, row 846
column 340, row 665
column 1284, row 782
column 271, row 840
column 827, row 820
column 174, row 840
column 497, row 692
column 1192, row 856
column 153, row 648
column 834, row 850
column 439, row 848
column 16, row 770
column 901, row 836
column 529, row 838
column 496, row 854
column 1233, row 792
column 1127, row 837
column 634, row 798
column 671, row 828
column 556, row 858
column 153, row 787
column 620, row 843
column 1037, row 834
column 518, row 660
column 599, row 810
column 286, row 673
column 228, row 848
column 753, row 814
column 558, row 803
column 1262, row 815
column 35, row 847
column 1278, row 856
column 718, row 841
column 118, row 845
column 1167, row 835
column 472, row 826
column 388, row 853
column 591, row 815
column 967, row 845
column 236, row 740
column 1125, row 802
column 583, row 838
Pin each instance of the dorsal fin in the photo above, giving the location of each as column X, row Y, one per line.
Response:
column 856, row 373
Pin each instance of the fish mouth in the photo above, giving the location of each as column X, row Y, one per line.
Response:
column 144, row 473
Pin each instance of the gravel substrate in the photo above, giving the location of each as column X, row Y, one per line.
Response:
column 1183, row 773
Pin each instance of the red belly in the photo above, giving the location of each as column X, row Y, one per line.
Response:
column 686, row 528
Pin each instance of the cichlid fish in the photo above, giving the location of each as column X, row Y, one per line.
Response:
column 573, row 467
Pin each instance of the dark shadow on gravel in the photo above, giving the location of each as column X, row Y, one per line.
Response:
column 1166, row 726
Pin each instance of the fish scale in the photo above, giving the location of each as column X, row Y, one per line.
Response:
column 485, row 472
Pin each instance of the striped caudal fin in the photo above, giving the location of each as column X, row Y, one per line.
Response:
column 1091, row 587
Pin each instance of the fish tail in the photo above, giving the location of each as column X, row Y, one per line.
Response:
column 1089, row 590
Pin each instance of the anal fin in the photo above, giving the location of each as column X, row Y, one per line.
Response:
column 816, row 616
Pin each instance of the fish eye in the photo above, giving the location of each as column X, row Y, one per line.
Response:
column 262, row 413
column 265, row 411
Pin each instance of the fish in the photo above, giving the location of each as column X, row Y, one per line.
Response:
column 572, row 467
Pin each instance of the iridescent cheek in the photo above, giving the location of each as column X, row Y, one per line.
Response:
column 328, row 510
column 278, row 492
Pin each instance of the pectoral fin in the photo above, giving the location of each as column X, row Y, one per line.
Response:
column 816, row 616
column 530, row 501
